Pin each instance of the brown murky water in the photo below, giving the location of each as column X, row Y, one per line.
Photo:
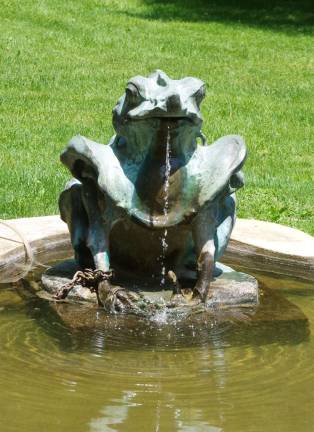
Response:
column 72, row 369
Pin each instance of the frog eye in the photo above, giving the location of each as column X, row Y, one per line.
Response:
column 200, row 94
column 132, row 94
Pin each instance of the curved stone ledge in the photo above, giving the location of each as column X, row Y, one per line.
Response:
column 256, row 247
column 273, row 250
column 48, row 240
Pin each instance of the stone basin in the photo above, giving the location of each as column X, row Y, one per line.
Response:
column 256, row 247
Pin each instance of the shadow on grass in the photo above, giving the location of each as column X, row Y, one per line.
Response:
column 281, row 15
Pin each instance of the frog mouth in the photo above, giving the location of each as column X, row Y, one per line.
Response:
column 171, row 122
column 164, row 116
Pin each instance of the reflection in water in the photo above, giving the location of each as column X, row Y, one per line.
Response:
column 75, row 368
column 125, row 415
column 111, row 415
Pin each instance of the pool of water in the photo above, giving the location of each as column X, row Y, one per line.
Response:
column 76, row 369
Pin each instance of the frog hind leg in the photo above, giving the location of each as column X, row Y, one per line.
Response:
column 73, row 213
column 225, row 223
column 82, row 210
column 211, row 231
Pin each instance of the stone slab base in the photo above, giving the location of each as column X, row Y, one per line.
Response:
column 231, row 288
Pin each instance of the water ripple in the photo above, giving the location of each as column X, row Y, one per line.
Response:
column 222, row 366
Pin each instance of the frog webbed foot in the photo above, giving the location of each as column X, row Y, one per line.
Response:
column 177, row 298
column 114, row 298
column 180, row 296
column 202, row 292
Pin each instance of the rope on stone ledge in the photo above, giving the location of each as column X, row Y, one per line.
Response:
column 88, row 279
column 30, row 261
column 111, row 298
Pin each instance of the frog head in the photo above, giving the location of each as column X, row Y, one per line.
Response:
column 155, row 110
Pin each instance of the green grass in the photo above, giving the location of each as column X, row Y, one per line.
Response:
column 64, row 64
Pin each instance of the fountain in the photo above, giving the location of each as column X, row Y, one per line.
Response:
column 151, row 213
column 150, row 216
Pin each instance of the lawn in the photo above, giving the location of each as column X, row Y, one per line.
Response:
column 64, row 64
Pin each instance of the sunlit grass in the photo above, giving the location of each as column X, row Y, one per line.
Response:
column 64, row 65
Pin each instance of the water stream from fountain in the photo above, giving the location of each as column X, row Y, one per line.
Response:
column 164, row 244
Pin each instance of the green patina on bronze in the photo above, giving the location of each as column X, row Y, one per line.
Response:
column 115, row 205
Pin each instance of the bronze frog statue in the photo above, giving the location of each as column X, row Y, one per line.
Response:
column 157, row 191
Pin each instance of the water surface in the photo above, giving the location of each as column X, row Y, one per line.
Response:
column 65, row 369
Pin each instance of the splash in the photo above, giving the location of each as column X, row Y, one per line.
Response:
column 164, row 243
